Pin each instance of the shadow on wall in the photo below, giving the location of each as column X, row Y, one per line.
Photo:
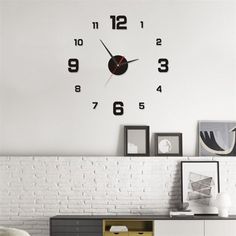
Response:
column 197, row 142
column 120, row 146
column 175, row 190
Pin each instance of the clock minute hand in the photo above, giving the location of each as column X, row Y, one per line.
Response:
column 127, row 62
column 113, row 58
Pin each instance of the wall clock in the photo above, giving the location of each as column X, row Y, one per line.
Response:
column 62, row 92
column 124, row 51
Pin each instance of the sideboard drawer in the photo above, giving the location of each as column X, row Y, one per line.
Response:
column 116, row 234
column 77, row 222
column 140, row 233
column 76, row 229
column 75, row 234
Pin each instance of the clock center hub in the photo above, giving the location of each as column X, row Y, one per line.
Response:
column 118, row 65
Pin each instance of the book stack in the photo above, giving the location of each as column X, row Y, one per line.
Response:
column 181, row 213
column 118, row 228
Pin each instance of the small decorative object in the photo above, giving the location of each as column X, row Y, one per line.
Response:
column 200, row 185
column 118, row 228
column 217, row 138
column 137, row 141
column 223, row 202
column 168, row 144
column 182, row 211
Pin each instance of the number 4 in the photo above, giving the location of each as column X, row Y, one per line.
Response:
column 159, row 89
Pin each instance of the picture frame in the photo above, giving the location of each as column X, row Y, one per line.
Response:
column 200, row 183
column 168, row 144
column 136, row 140
column 217, row 138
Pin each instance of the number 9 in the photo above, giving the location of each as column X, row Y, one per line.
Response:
column 73, row 65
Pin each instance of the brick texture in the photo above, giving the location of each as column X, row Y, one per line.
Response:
column 34, row 188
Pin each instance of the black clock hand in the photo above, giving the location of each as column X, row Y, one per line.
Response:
column 127, row 62
column 113, row 58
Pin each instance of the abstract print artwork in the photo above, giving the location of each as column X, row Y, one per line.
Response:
column 217, row 138
column 200, row 185
column 168, row 144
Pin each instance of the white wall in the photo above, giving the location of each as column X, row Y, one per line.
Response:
column 39, row 110
column 32, row 189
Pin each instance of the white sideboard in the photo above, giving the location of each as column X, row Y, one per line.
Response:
column 220, row 228
column 194, row 228
column 179, row 228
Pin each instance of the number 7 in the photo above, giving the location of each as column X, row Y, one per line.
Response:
column 95, row 105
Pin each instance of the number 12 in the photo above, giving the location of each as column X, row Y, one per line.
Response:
column 119, row 22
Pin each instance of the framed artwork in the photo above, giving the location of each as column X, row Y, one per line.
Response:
column 199, row 185
column 136, row 140
column 168, row 144
column 217, row 138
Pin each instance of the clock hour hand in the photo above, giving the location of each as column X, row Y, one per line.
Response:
column 113, row 58
column 127, row 62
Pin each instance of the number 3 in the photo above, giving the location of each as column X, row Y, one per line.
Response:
column 163, row 65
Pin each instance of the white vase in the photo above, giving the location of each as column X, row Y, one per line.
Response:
column 223, row 212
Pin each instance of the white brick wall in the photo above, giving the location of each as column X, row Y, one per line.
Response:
column 34, row 188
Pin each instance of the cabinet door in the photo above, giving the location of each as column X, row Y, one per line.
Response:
column 220, row 228
column 74, row 227
column 179, row 228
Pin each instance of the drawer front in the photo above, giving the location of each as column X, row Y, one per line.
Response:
column 116, row 234
column 77, row 222
column 76, row 229
column 76, row 234
column 140, row 233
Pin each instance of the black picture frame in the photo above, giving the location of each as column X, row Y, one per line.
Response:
column 204, row 209
column 159, row 137
column 139, row 141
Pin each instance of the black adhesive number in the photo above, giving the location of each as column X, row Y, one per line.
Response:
column 118, row 108
column 119, row 22
column 159, row 89
column 164, row 65
column 158, row 42
column 142, row 24
column 95, row 105
column 95, row 25
column 77, row 88
column 79, row 42
column 141, row 105
column 73, row 65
